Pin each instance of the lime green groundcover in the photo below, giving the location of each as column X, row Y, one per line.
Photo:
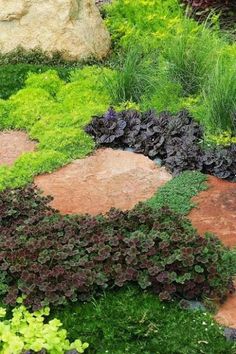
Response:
column 53, row 113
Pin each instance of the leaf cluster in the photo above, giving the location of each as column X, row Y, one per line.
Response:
column 27, row 333
column 52, row 258
column 173, row 138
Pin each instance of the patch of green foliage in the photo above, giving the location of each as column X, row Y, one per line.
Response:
column 27, row 332
column 135, row 322
column 135, row 75
column 219, row 104
column 188, row 56
column 53, row 113
column 178, row 192
column 17, row 64
column 13, row 76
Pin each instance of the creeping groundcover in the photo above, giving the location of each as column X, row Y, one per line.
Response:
column 117, row 188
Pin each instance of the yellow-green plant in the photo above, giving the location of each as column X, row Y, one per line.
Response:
column 28, row 331
column 54, row 114
column 225, row 139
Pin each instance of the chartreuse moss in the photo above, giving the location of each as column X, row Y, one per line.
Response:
column 53, row 113
column 28, row 331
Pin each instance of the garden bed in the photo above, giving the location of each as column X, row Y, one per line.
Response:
column 117, row 191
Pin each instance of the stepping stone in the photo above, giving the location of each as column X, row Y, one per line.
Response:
column 216, row 213
column 12, row 145
column 216, row 210
column 226, row 315
column 109, row 178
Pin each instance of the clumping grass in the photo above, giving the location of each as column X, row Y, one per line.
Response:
column 135, row 322
column 191, row 54
column 178, row 192
column 135, row 75
column 219, row 106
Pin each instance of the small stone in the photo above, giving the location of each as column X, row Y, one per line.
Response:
column 157, row 161
column 192, row 305
column 129, row 149
column 230, row 333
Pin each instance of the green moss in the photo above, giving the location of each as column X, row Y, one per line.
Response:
column 135, row 322
column 53, row 113
column 178, row 192
column 13, row 76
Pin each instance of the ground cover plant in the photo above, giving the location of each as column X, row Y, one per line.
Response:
column 81, row 265
column 52, row 258
column 17, row 64
column 188, row 57
column 173, row 138
column 27, row 332
column 151, row 326
column 53, row 113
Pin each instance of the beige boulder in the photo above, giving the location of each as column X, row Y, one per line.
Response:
column 74, row 27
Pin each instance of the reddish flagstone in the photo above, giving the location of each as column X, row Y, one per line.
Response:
column 109, row 178
column 216, row 210
column 12, row 145
column 226, row 315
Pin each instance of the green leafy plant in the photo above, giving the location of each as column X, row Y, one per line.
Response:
column 27, row 332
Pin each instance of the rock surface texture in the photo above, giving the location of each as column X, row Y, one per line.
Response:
column 74, row 27
column 12, row 145
column 216, row 213
column 109, row 178
column 216, row 210
column 226, row 315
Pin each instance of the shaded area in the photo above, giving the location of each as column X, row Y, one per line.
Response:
column 109, row 178
column 12, row 145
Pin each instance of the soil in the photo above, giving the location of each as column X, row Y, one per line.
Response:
column 109, row 178
column 12, row 145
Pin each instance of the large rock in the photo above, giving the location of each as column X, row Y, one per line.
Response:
column 71, row 26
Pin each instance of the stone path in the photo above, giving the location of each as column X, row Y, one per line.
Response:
column 216, row 212
column 227, row 312
column 109, row 178
column 12, row 145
